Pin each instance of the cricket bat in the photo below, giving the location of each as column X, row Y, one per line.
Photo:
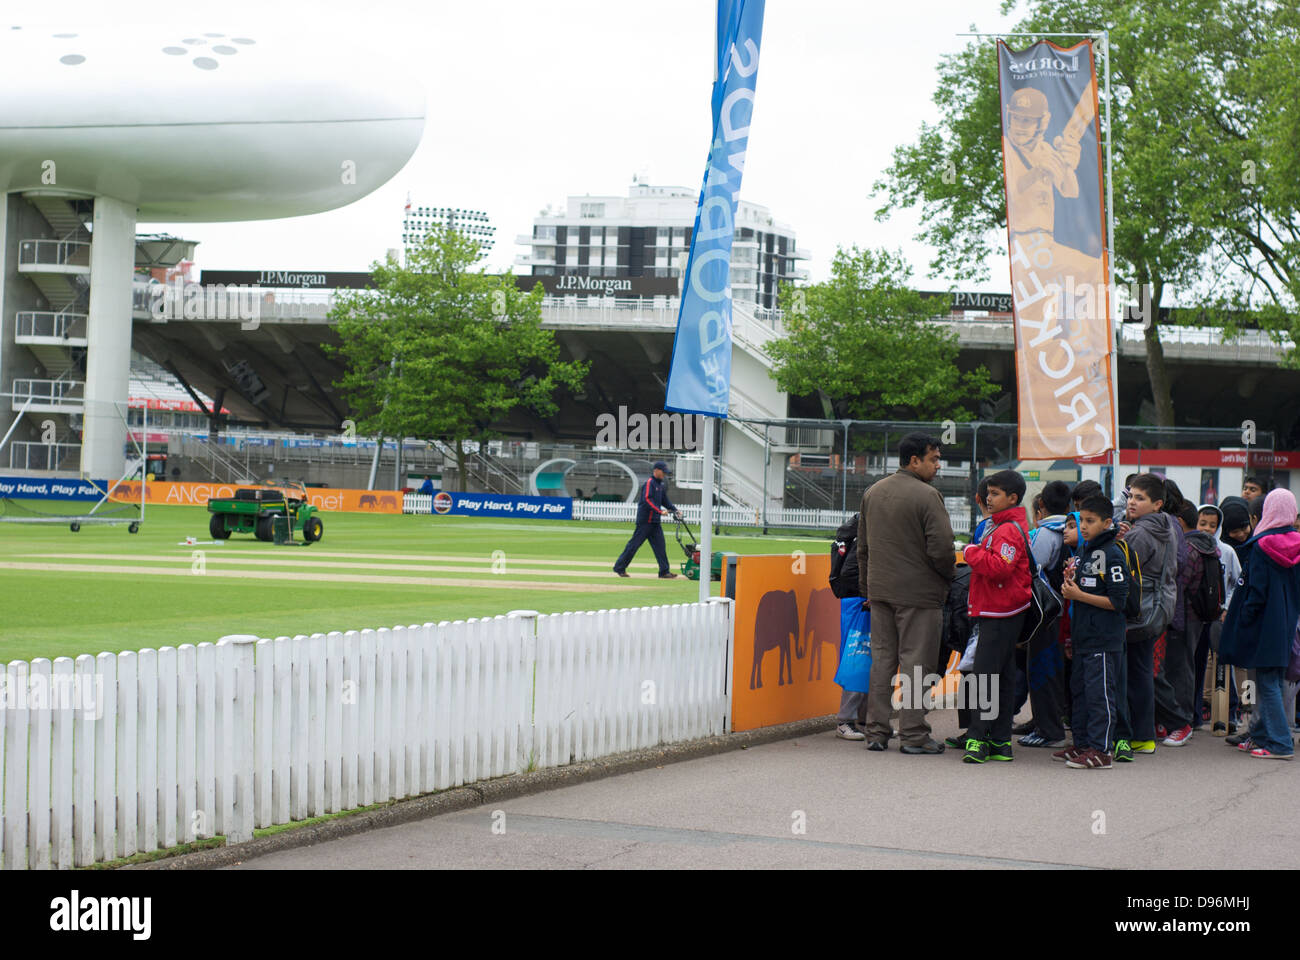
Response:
column 1219, row 701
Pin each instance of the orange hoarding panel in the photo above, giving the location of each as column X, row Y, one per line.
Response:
column 1061, row 299
column 323, row 498
column 787, row 641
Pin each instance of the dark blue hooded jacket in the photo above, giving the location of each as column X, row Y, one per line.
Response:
column 1261, row 620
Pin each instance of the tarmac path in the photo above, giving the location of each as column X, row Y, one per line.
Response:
column 820, row 802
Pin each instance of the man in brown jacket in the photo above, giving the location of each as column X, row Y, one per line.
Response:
column 903, row 524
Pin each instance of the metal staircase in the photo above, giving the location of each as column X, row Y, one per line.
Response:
column 222, row 466
column 60, row 270
column 493, row 475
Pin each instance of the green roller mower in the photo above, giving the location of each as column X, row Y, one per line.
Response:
column 271, row 515
column 691, row 568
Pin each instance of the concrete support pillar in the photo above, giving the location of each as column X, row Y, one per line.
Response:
column 7, row 332
column 108, row 335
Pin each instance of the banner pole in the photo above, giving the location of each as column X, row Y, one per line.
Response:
column 1110, row 300
column 706, row 512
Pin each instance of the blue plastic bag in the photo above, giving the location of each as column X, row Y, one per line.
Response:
column 854, row 671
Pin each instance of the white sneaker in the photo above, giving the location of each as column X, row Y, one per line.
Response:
column 849, row 731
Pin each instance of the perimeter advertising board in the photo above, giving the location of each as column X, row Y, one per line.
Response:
column 500, row 505
column 197, row 494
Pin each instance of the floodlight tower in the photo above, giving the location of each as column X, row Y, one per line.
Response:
column 147, row 123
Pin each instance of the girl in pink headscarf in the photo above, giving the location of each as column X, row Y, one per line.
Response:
column 1261, row 622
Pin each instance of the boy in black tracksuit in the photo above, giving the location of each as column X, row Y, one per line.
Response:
column 1096, row 584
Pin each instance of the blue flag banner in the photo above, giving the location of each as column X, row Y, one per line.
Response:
column 699, row 379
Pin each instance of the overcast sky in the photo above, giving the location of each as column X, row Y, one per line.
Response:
column 528, row 103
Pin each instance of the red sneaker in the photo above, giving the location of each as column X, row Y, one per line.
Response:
column 1268, row 755
column 1177, row 738
column 1067, row 754
column 1090, row 759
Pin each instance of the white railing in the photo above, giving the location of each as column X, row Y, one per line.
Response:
column 29, row 455
column 112, row 755
column 626, row 513
column 606, row 310
column 49, row 391
column 689, row 474
column 800, row 439
column 1253, row 345
column 738, row 486
column 48, row 323
column 59, row 253
column 1250, row 345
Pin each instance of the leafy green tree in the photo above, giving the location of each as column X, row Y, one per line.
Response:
column 439, row 351
column 863, row 340
column 1261, row 129
column 1189, row 111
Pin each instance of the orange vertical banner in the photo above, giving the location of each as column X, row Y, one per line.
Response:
column 1052, row 175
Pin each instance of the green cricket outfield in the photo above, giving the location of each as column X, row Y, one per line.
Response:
column 103, row 589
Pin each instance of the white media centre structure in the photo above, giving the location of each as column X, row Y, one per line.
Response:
column 105, row 128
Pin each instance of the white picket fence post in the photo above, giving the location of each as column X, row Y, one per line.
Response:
column 189, row 744
column 106, row 801
column 84, row 734
column 725, row 608
column 17, row 726
column 240, row 708
column 523, row 746
column 168, row 686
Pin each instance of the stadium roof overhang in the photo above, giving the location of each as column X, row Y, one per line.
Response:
column 277, row 375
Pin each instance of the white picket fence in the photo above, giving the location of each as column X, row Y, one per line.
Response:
column 186, row 742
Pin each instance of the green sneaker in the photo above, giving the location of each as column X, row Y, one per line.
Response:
column 1000, row 751
column 1143, row 746
column 977, row 751
column 1123, row 752
column 957, row 741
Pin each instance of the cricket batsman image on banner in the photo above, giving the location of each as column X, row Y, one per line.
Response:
column 1051, row 156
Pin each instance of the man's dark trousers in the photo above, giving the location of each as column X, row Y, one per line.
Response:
column 995, row 655
column 654, row 532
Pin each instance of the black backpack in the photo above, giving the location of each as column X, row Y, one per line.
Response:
column 1133, row 601
column 1044, row 604
column 1205, row 595
column 844, row 560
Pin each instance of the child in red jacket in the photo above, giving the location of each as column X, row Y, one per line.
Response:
column 999, row 596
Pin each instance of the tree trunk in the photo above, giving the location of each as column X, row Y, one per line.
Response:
column 460, row 465
column 1157, row 370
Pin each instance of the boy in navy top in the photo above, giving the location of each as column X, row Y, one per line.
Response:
column 1096, row 584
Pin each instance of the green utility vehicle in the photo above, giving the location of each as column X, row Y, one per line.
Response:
column 256, row 510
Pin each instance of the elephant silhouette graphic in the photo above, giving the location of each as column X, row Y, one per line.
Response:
column 775, row 623
column 821, row 624
column 368, row 501
column 389, row 501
